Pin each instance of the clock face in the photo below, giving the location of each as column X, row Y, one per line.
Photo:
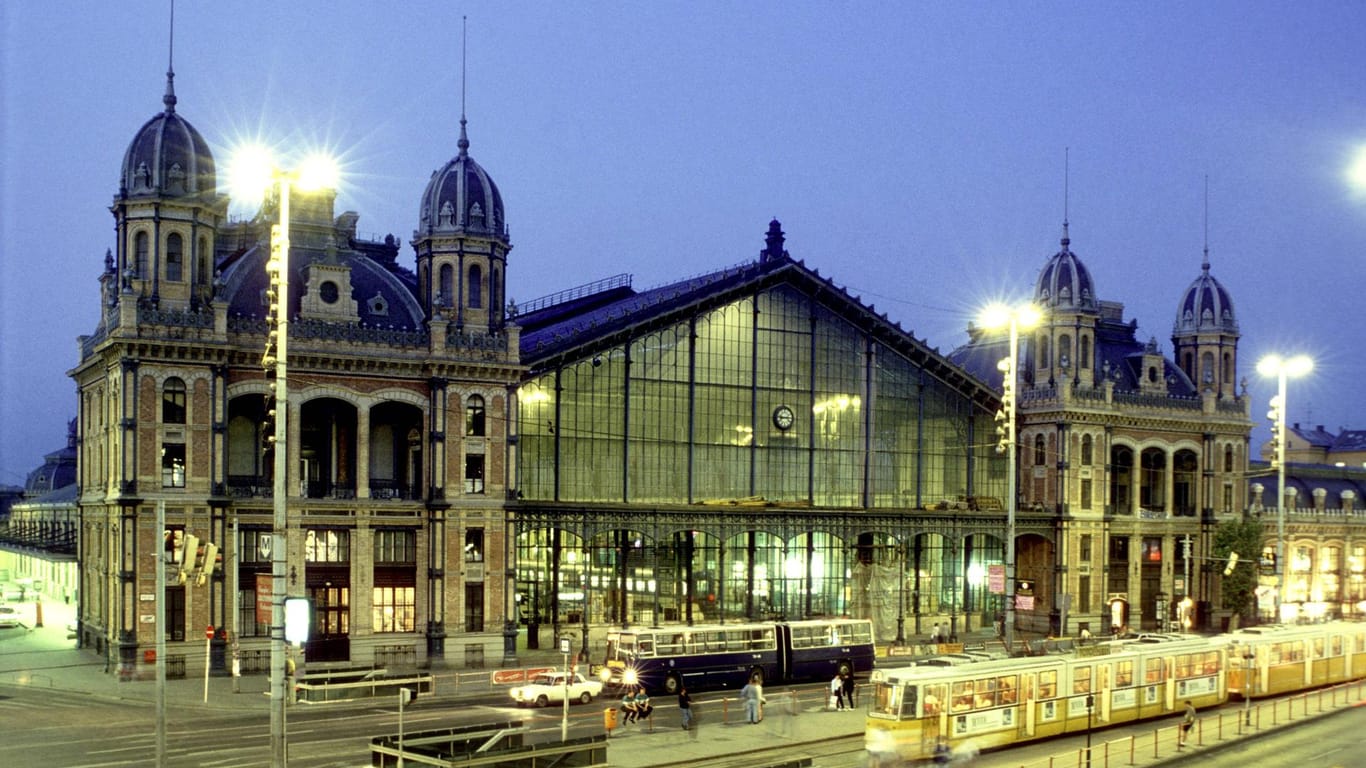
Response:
column 783, row 417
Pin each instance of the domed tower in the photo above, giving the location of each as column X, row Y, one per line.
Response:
column 1205, row 335
column 1065, row 339
column 167, row 212
column 462, row 244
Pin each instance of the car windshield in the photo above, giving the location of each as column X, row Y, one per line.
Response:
column 543, row 680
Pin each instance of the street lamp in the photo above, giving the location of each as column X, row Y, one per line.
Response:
column 1281, row 368
column 254, row 172
column 1016, row 318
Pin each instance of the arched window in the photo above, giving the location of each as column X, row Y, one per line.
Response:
column 1228, row 458
column 447, row 285
column 1040, row 455
column 175, row 257
column 474, row 416
column 1043, row 351
column 140, row 254
column 1207, row 368
column 476, row 287
column 1227, row 375
column 1064, row 350
column 495, row 289
column 1084, row 353
column 173, row 401
column 1087, row 450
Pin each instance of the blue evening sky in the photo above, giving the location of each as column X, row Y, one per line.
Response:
column 913, row 151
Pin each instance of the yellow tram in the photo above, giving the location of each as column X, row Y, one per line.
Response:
column 1283, row 659
column 993, row 704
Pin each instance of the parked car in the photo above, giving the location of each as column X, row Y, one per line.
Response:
column 9, row 617
column 549, row 688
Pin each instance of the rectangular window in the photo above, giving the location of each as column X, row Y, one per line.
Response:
column 474, row 545
column 1084, row 594
column 247, row 625
column 396, row 545
column 327, row 545
column 474, row 473
column 1086, row 494
column 1086, row 549
column 172, row 465
column 173, row 402
column 474, row 607
column 395, row 609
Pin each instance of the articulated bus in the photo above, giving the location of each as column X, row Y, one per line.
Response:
column 994, row 704
column 729, row 655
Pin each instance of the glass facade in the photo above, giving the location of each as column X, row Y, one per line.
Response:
column 772, row 400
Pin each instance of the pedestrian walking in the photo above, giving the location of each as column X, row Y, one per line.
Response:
column 1187, row 722
column 685, row 707
column 836, row 692
column 935, row 636
column 848, row 686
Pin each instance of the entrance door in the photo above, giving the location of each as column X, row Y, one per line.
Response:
column 329, row 639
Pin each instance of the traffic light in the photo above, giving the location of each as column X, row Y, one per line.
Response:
column 210, row 562
column 1277, row 419
column 1232, row 563
column 189, row 553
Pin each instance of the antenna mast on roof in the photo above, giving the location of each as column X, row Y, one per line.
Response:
column 1066, row 151
column 1205, row 264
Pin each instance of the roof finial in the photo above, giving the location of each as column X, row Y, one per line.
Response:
column 1204, row 265
column 464, row 142
column 169, row 98
column 1066, row 240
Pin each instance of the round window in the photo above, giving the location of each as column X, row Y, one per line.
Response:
column 328, row 292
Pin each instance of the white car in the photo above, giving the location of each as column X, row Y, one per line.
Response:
column 9, row 617
column 549, row 688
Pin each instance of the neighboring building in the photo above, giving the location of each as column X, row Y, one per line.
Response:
column 1319, row 446
column 38, row 532
column 398, row 413
column 1325, row 538
column 1124, row 452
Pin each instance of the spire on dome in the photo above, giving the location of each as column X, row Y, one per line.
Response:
column 1204, row 265
column 464, row 142
column 1066, row 240
column 169, row 98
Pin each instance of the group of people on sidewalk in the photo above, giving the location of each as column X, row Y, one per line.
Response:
column 635, row 705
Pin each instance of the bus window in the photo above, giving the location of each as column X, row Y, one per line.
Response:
column 646, row 646
column 1048, row 684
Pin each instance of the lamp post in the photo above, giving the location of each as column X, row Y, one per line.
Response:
column 1281, row 368
column 253, row 172
column 1016, row 318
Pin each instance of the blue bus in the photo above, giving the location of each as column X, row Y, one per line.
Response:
column 710, row 656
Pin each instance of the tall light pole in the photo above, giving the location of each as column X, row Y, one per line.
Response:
column 254, row 171
column 1016, row 318
column 1281, row 368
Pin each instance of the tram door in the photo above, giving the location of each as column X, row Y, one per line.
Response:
column 1025, row 724
column 936, row 717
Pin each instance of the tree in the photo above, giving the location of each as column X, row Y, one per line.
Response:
column 1246, row 537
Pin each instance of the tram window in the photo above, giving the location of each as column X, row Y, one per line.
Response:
column 1183, row 666
column 934, row 695
column 1361, row 642
column 962, row 696
column 1154, row 671
column 1048, row 684
column 1211, row 663
column 1005, row 689
column 1318, row 647
column 1337, row 645
column 1124, row 674
column 1081, row 680
column 986, row 694
column 1297, row 650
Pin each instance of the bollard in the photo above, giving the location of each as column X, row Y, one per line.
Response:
column 1133, row 750
column 38, row 615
